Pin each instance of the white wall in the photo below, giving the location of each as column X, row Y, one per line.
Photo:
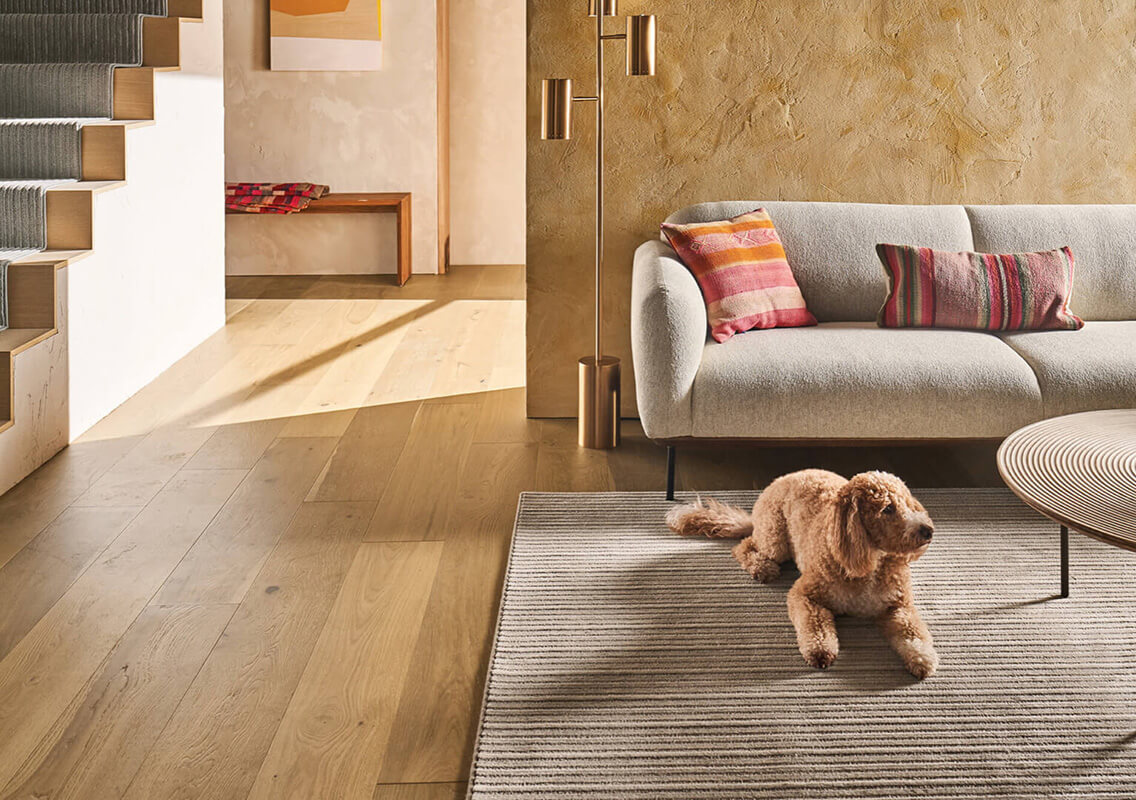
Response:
column 487, row 148
column 153, row 288
column 355, row 131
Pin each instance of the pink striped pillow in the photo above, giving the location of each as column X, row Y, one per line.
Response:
column 741, row 267
column 977, row 291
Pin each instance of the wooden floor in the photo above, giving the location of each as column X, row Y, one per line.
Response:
column 273, row 573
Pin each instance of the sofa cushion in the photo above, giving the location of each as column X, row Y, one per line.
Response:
column 1083, row 370
column 831, row 247
column 741, row 268
column 1102, row 238
column 977, row 291
column 857, row 381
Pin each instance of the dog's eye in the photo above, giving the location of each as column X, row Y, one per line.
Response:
column 890, row 508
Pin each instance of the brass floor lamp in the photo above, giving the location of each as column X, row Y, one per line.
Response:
column 599, row 386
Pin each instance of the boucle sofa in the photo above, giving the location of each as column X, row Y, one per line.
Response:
column 847, row 380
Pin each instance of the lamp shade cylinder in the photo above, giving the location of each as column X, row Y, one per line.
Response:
column 641, row 45
column 607, row 7
column 556, row 108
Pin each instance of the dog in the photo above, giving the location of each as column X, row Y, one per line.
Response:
column 852, row 540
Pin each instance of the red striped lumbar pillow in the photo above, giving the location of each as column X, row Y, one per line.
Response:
column 745, row 278
column 977, row 291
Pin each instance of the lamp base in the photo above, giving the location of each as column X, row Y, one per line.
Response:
column 599, row 403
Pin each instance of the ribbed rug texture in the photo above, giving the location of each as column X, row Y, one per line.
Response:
column 38, row 150
column 70, row 38
column 36, row 91
column 152, row 7
column 632, row 663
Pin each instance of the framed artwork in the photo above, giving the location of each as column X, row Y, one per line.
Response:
column 331, row 35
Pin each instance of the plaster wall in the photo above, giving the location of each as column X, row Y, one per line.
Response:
column 487, row 146
column 894, row 101
column 355, row 131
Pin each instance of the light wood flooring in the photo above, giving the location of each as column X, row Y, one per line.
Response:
column 273, row 573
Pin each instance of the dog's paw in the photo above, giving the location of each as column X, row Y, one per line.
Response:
column 761, row 568
column 820, row 658
column 920, row 658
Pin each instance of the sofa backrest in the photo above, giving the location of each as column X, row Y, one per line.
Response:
column 1103, row 240
column 831, row 247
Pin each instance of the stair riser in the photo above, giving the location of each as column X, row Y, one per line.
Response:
column 133, row 93
column 69, row 222
column 104, row 153
column 31, row 296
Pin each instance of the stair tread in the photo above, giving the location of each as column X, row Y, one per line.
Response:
column 95, row 187
column 58, row 258
column 17, row 340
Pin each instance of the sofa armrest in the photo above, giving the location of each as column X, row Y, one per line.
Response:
column 668, row 334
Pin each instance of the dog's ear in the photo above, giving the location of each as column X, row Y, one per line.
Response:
column 848, row 539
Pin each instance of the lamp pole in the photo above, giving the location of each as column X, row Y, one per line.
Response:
column 599, row 375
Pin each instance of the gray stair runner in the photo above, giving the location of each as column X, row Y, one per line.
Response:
column 41, row 149
column 42, row 91
column 71, row 38
column 57, row 62
column 152, row 7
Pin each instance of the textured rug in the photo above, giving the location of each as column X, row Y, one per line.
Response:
column 630, row 663
column 152, row 7
column 71, row 38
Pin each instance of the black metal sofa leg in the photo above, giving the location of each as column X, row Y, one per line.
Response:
column 670, row 472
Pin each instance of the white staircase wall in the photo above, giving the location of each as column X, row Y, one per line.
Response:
column 154, row 287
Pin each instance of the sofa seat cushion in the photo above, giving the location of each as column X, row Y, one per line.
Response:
column 1084, row 370
column 857, row 381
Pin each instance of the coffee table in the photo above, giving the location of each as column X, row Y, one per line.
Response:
column 1080, row 471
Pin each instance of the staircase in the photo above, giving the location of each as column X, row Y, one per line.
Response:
column 79, row 80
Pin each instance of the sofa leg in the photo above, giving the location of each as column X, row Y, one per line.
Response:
column 670, row 472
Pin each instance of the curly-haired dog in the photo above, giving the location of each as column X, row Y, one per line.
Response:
column 852, row 540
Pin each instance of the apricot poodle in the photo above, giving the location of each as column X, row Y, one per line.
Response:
column 852, row 541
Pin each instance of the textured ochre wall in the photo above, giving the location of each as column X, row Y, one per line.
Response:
column 896, row 101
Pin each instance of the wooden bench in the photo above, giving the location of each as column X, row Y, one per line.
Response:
column 371, row 203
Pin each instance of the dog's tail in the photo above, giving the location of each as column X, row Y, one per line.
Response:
column 715, row 520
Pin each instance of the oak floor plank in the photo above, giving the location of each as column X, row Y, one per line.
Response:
column 51, row 664
column 503, row 419
column 237, row 446
column 128, row 704
column 215, row 742
column 410, row 372
column 225, row 560
column 564, row 467
column 439, row 709
column 343, row 711
column 420, row 791
column 141, row 474
column 365, row 457
column 370, row 337
column 470, row 354
column 416, row 504
column 40, row 573
column 32, row 504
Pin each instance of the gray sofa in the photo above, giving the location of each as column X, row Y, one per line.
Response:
column 847, row 380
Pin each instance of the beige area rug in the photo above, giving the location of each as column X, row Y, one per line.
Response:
column 630, row 663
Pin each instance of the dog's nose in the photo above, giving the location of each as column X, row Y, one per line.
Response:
column 926, row 532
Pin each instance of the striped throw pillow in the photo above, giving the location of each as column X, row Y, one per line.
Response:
column 977, row 291
column 741, row 267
